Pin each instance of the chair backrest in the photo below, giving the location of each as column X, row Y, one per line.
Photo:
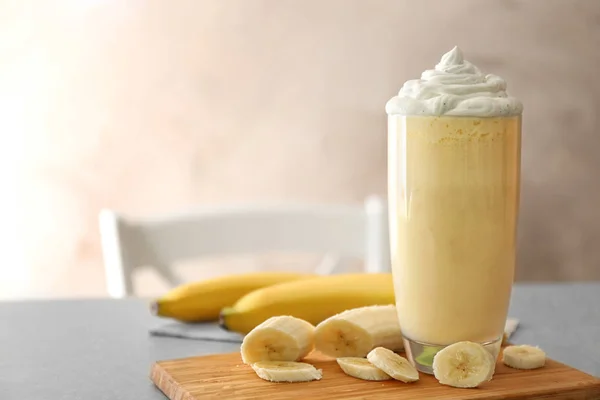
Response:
column 352, row 231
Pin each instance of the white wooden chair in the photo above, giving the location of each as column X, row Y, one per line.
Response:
column 337, row 231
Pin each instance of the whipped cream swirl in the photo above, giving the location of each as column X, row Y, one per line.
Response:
column 457, row 88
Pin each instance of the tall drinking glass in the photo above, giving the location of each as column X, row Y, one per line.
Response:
column 454, row 200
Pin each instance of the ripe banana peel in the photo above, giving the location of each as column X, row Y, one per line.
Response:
column 313, row 300
column 203, row 300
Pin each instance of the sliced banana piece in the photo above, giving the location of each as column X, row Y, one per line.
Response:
column 355, row 332
column 524, row 357
column 286, row 371
column 392, row 364
column 361, row 368
column 493, row 366
column 464, row 365
column 282, row 338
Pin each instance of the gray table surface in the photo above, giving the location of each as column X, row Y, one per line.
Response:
column 101, row 350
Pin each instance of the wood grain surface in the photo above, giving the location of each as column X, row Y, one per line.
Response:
column 224, row 376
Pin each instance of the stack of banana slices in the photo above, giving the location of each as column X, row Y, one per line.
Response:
column 364, row 341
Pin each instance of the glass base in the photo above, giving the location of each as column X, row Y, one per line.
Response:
column 421, row 354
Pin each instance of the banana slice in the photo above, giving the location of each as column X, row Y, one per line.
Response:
column 493, row 366
column 392, row 364
column 361, row 368
column 286, row 371
column 464, row 365
column 523, row 357
column 282, row 338
column 355, row 332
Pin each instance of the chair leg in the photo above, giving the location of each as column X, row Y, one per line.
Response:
column 118, row 276
column 377, row 258
column 329, row 264
column 119, row 283
column 169, row 275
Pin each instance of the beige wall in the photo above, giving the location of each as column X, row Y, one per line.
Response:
column 146, row 106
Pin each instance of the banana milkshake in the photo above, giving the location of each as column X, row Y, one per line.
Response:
column 454, row 178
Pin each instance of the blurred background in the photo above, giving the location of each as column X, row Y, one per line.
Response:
column 152, row 106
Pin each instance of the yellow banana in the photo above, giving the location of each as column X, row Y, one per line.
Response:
column 203, row 300
column 313, row 300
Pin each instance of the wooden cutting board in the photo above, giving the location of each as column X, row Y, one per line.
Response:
column 225, row 377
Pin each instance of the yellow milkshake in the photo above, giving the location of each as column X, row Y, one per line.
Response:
column 454, row 178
